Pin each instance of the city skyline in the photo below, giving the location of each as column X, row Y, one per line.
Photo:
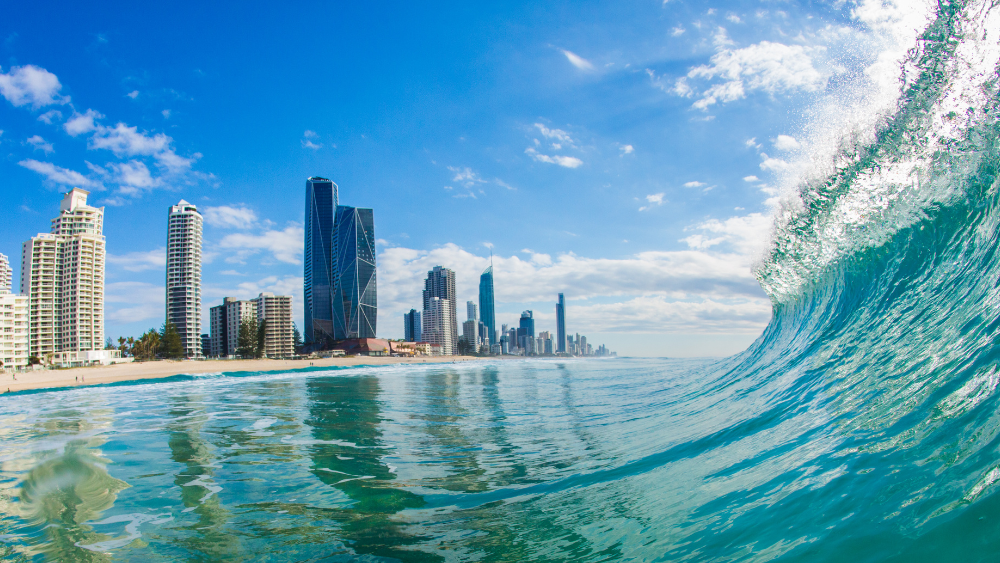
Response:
column 604, row 151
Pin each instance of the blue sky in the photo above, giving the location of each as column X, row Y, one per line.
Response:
column 628, row 154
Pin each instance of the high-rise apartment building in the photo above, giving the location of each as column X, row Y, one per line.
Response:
column 440, row 284
column 438, row 324
column 225, row 323
column 470, row 311
column 487, row 313
column 62, row 275
column 184, row 233
column 561, row 324
column 319, row 261
column 6, row 274
column 276, row 312
column 470, row 333
column 355, row 296
column 412, row 326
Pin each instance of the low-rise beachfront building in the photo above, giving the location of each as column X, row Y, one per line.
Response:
column 13, row 331
column 5, row 274
column 83, row 358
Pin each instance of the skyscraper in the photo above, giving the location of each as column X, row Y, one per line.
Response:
column 439, row 324
column 486, row 309
column 411, row 326
column 355, row 299
column 561, row 324
column 440, row 283
column 5, row 274
column 184, row 229
column 62, row 275
column 319, row 264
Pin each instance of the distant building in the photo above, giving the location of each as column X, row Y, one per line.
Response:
column 319, row 259
column 526, row 328
column 276, row 312
column 487, row 313
column 438, row 325
column 6, row 275
column 470, row 333
column 225, row 322
column 62, row 275
column 470, row 310
column 206, row 345
column 184, row 230
column 412, row 326
column 355, row 297
column 561, row 324
column 440, row 284
column 13, row 331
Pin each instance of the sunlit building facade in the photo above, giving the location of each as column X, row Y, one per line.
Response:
column 319, row 259
column 440, row 284
column 184, row 240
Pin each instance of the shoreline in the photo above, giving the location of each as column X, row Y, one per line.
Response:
column 135, row 371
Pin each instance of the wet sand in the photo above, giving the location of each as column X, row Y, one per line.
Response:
column 96, row 375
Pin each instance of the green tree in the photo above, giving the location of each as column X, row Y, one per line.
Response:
column 146, row 347
column 170, row 342
column 246, row 339
column 108, row 344
column 296, row 338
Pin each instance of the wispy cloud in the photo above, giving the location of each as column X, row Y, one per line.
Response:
column 307, row 140
column 284, row 245
column 59, row 175
column 564, row 161
column 228, row 217
column 80, row 123
column 786, row 143
column 39, row 144
column 50, row 116
column 626, row 149
column 577, row 61
column 694, row 184
column 653, row 200
column 140, row 261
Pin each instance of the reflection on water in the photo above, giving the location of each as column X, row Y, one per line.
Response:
column 624, row 460
column 347, row 454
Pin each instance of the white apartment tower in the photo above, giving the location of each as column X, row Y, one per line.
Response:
column 438, row 321
column 5, row 274
column 62, row 275
column 13, row 323
column 276, row 311
column 184, row 230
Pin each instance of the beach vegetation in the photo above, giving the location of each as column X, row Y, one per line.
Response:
column 246, row 339
column 170, row 342
column 146, row 347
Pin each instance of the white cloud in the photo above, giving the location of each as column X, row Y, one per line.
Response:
column 30, row 84
column 39, row 143
column 564, row 161
column 227, row 217
column 577, row 61
column 81, row 123
column 310, row 134
column 746, row 235
column 652, row 200
column 133, row 94
column 677, row 31
column 130, row 302
column 140, row 261
column 466, row 177
column 734, row 18
column 123, row 140
column 786, row 143
column 694, row 184
column 765, row 66
column 166, row 114
column 557, row 134
column 750, row 178
column 284, row 245
column 752, row 143
column 307, row 144
column 773, row 164
column 133, row 177
column 50, row 116
column 626, row 149
column 697, row 290
column 59, row 175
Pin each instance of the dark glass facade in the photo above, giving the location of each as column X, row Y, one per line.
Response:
column 486, row 308
column 355, row 298
column 320, row 259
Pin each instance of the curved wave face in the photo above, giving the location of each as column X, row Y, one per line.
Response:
column 863, row 425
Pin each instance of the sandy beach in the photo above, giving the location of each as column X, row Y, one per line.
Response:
column 158, row 369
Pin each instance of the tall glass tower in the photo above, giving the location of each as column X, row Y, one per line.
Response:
column 319, row 267
column 561, row 324
column 355, row 299
column 486, row 310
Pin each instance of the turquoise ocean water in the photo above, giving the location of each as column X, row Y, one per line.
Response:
column 863, row 425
